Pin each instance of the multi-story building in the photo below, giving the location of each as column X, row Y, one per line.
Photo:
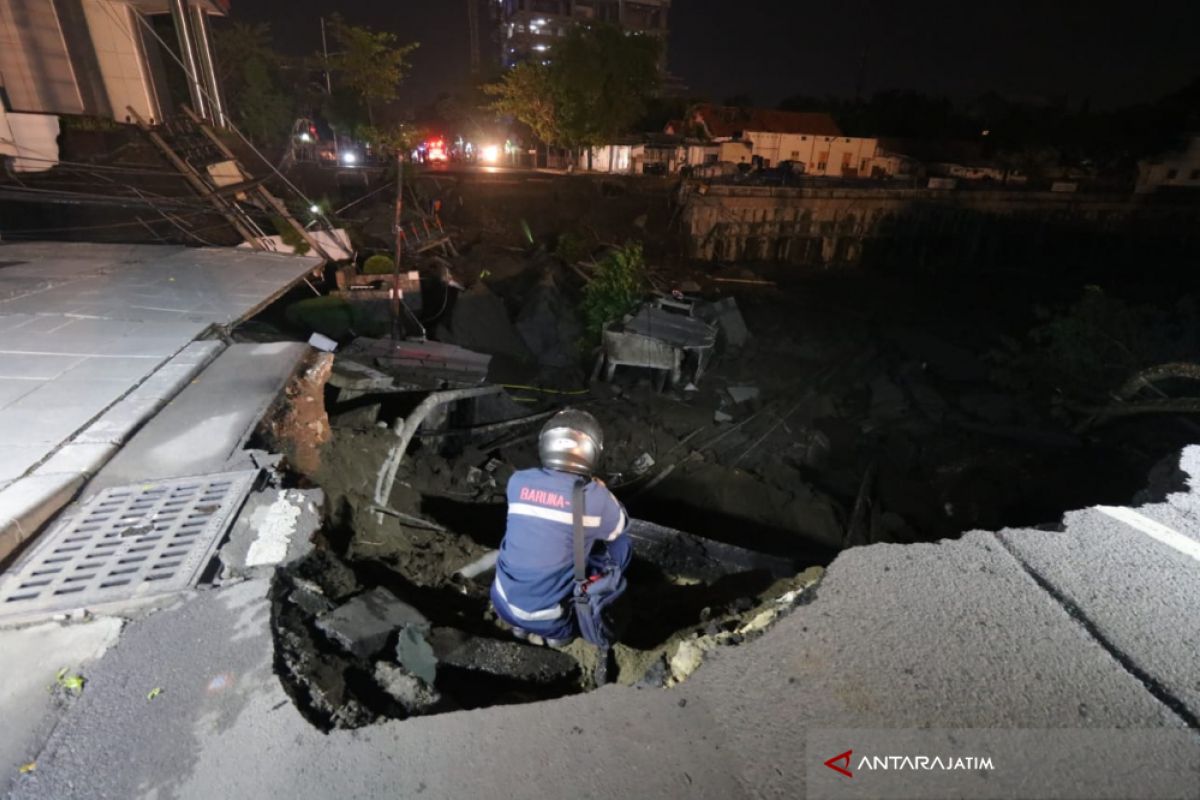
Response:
column 101, row 58
column 529, row 28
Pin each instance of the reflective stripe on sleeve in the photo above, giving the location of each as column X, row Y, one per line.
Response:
column 555, row 612
column 617, row 531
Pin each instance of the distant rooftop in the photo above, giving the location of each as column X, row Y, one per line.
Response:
column 729, row 122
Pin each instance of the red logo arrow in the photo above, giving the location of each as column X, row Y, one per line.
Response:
column 845, row 767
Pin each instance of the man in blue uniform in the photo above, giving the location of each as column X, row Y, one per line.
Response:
column 535, row 590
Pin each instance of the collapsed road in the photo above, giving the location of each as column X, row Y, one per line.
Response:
column 301, row 579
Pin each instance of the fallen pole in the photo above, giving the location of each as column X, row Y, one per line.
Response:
column 407, row 428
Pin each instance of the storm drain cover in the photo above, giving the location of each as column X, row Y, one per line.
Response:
column 126, row 543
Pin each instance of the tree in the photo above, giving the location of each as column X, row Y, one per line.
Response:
column 527, row 93
column 370, row 63
column 251, row 76
column 604, row 80
column 596, row 87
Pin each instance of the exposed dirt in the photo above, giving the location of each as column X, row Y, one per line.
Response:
column 864, row 408
column 298, row 423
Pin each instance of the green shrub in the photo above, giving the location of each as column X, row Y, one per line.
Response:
column 571, row 247
column 379, row 265
column 615, row 290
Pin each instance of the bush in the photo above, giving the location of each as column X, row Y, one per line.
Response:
column 379, row 265
column 571, row 247
column 615, row 290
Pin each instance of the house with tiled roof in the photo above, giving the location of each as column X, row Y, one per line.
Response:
column 811, row 142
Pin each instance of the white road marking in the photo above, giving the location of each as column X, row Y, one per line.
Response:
column 1157, row 531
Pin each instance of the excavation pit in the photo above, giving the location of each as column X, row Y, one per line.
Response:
column 358, row 640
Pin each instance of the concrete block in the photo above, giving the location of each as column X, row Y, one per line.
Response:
column 274, row 527
column 506, row 659
column 363, row 625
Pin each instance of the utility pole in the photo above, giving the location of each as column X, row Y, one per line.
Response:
column 325, row 51
column 473, row 24
column 398, row 227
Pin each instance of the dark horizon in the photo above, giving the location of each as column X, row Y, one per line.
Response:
column 1096, row 52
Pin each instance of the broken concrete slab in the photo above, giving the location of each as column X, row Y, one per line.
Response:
column 354, row 379
column 743, row 394
column 702, row 559
column 273, row 528
column 414, row 653
column 421, row 366
column 507, row 659
column 363, row 625
column 310, row 599
column 726, row 315
column 412, row 693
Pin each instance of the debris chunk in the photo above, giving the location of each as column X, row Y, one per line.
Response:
column 414, row 694
column 363, row 625
column 539, row 665
column 726, row 315
column 743, row 394
column 415, row 655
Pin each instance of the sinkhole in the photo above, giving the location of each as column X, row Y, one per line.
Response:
column 381, row 621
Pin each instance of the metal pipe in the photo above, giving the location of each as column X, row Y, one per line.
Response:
column 484, row 564
column 187, row 53
column 202, row 35
column 407, row 428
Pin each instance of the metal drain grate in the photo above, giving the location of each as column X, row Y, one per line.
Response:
column 128, row 542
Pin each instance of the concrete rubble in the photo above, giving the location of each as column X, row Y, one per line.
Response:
column 413, row 694
column 501, row 658
column 363, row 625
column 726, row 315
column 274, row 528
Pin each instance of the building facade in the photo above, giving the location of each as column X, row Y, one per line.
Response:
column 99, row 58
column 811, row 142
column 103, row 57
column 529, row 28
column 1179, row 170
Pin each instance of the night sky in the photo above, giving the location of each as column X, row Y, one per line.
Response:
column 1113, row 53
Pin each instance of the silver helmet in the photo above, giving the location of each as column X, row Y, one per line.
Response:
column 571, row 441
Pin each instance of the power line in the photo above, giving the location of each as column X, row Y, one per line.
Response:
column 107, row 5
